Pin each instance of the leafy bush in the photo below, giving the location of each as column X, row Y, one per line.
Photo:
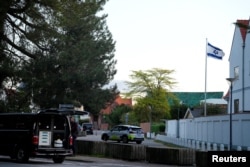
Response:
column 158, row 127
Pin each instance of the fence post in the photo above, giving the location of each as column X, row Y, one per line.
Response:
column 189, row 144
column 208, row 146
column 203, row 146
column 215, row 147
column 222, row 147
column 197, row 145
column 193, row 144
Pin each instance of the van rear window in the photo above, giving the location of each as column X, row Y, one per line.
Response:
column 44, row 122
column 55, row 122
column 59, row 123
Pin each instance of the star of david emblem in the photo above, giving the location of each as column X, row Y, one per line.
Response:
column 215, row 52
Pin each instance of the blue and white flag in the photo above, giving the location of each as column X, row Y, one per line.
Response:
column 214, row 52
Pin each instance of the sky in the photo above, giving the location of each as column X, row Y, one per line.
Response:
column 172, row 34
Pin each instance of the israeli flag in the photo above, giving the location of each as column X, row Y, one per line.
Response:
column 214, row 52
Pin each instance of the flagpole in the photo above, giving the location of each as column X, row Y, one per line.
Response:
column 205, row 93
column 214, row 52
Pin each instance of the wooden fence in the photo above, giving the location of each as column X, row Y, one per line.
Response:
column 132, row 152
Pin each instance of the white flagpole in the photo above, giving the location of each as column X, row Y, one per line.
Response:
column 205, row 93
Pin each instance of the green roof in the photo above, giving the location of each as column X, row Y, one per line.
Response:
column 192, row 99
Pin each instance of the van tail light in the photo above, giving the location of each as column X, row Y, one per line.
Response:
column 71, row 141
column 35, row 140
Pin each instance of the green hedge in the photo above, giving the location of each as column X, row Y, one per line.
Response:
column 158, row 127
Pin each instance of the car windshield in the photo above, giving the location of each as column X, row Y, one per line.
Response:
column 135, row 129
column 87, row 125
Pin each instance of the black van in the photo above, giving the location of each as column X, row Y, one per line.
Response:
column 43, row 134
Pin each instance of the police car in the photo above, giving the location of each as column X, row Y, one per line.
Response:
column 124, row 133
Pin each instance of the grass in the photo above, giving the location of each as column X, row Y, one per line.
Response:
column 169, row 144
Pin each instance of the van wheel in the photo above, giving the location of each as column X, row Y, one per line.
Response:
column 105, row 137
column 22, row 155
column 124, row 139
column 58, row 159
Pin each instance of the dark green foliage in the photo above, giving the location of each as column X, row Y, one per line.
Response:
column 117, row 115
column 216, row 110
column 155, row 84
column 15, row 100
column 178, row 111
column 162, row 127
column 65, row 54
column 158, row 127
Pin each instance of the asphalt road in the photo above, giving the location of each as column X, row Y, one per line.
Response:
column 87, row 161
column 82, row 161
column 97, row 137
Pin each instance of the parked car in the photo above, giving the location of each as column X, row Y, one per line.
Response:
column 124, row 133
column 44, row 134
column 80, row 129
column 88, row 128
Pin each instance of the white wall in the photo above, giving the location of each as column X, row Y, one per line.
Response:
column 213, row 129
column 236, row 59
column 171, row 129
column 247, row 74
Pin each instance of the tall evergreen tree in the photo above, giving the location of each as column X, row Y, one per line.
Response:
column 81, row 63
column 24, row 26
column 77, row 59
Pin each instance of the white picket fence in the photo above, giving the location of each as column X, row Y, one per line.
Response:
column 209, row 133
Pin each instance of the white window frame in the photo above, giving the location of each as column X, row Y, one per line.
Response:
column 236, row 72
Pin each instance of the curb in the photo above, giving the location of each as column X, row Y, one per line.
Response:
column 84, row 158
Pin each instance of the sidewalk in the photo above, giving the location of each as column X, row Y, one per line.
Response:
column 87, row 159
column 97, row 137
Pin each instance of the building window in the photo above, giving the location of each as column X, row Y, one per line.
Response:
column 236, row 106
column 236, row 72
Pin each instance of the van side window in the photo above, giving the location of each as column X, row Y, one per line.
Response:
column 24, row 122
column 6, row 122
column 20, row 125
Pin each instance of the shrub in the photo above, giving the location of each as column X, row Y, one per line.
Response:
column 158, row 127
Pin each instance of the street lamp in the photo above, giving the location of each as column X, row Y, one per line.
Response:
column 150, row 120
column 178, row 121
column 230, row 114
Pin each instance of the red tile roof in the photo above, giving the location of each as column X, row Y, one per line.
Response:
column 118, row 101
column 242, row 29
column 226, row 96
column 125, row 101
